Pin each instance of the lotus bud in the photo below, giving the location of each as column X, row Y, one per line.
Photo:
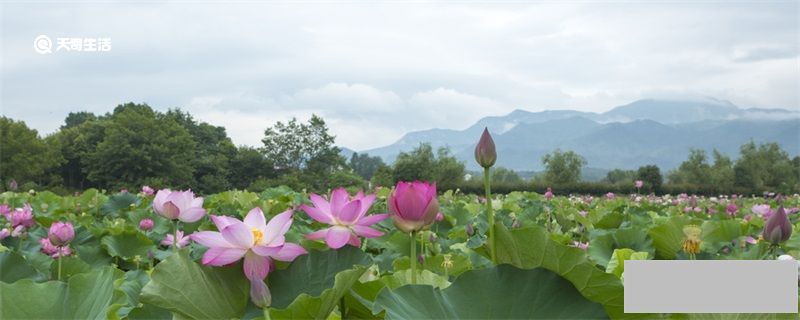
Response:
column 61, row 233
column 12, row 185
column 778, row 227
column 485, row 153
column 146, row 224
column 470, row 230
column 413, row 205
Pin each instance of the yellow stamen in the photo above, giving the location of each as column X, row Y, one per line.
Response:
column 257, row 235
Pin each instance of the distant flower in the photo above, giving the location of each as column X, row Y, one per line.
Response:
column 255, row 239
column 610, row 196
column 761, row 210
column 5, row 211
column 12, row 185
column 548, row 194
column 580, row 245
column 485, row 153
column 439, row 216
column 123, row 190
column 181, row 205
column 346, row 216
column 169, row 239
column 148, row 191
column 23, row 217
column 61, row 233
column 638, row 183
column 750, row 240
column 146, row 224
column 413, row 205
column 4, row 233
column 698, row 209
column 731, row 209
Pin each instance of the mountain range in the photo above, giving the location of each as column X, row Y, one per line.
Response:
column 649, row 131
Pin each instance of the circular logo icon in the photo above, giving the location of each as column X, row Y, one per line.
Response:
column 43, row 45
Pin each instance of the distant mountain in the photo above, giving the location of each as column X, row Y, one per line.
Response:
column 643, row 132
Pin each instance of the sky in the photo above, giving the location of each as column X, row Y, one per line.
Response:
column 377, row 70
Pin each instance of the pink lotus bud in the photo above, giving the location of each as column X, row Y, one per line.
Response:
column 146, row 224
column 610, row 196
column 413, row 205
column 548, row 194
column 485, row 153
column 439, row 216
column 4, row 233
column 61, row 233
column 778, row 228
column 638, row 183
column 148, row 191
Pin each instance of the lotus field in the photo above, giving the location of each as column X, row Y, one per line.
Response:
column 408, row 251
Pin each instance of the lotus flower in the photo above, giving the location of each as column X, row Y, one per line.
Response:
column 169, row 240
column 181, row 205
column 731, row 209
column 778, row 227
column 580, row 245
column 347, row 217
column 147, row 190
column 638, row 183
column 146, row 224
column 485, row 153
column 52, row 250
column 413, row 205
column 4, row 233
column 22, row 217
column 548, row 194
column 12, row 185
column 254, row 239
column 761, row 210
column 5, row 211
column 610, row 196
column 61, row 233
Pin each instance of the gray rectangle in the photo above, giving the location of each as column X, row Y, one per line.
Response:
column 710, row 286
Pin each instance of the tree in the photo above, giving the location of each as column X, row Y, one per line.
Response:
column 722, row 174
column 449, row 172
column 364, row 165
column 764, row 167
column 75, row 119
column 138, row 147
column 503, row 175
column 562, row 167
column 695, row 170
column 24, row 156
column 212, row 155
column 651, row 176
column 383, row 177
column 249, row 165
column 619, row 176
column 419, row 164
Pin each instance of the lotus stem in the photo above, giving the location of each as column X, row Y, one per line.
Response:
column 490, row 214
column 175, row 239
column 266, row 313
column 59, row 267
column 342, row 308
column 413, row 257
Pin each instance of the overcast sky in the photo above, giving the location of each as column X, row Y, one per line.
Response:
column 377, row 71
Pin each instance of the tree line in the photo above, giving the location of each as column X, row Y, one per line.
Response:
column 135, row 145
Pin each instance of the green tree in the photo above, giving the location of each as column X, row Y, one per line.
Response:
column 419, row 164
column 765, row 167
column 502, row 175
column 75, row 119
column 722, row 175
column 249, row 165
column 651, row 176
column 383, row 177
column 24, row 156
column 619, row 176
column 364, row 165
column 449, row 172
column 695, row 170
column 562, row 167
column 140, row 147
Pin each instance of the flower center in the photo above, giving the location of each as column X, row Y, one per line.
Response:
column 257, row 235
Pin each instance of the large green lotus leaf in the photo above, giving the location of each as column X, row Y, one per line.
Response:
column 668, row 236
column 188, row 289
column 70, row 266
column 717, row 234
column 603, row 244
column 458, row 264
column 313, row 284
column 735, row 316
column 84, row 296
column 13, row 267
column 131, row 286
column 531, row 247
column 616, row 265
column 127, row 245
column 503, row 292
column 401, row 278
column 120, row 203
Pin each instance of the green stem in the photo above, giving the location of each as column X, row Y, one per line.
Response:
column 342, row 308
column 413, row 257
column 490, row 214
column 266, row 313
column 175, row 238
column 19, row 244
column 59, row 267
column 422, row 247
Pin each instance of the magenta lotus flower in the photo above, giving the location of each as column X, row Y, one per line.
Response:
column 439, row 217
column 52, row 250
column 778, row 227
column 23, row 217
column 346, row 216
column 5, row 211
column 413, row 205
column 181, row 205
column 638, row 183
column 146, row 224
column 148, row 191
column 254, row 239
column 731, row 209
column 485, row 153
column 4, row 233
column 61, row 233
column 761, row 210
column 169, row 240
column 548, row 194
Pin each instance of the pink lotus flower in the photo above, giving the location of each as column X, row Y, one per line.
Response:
column 169, row 240
column 347, row 217
column 254, row 239
column 638, row 183
column 52, row 250
column 5, row 211
column 146, row 190
column 181, row 205
column 583, row 213
column 413, row 205
column 439, row 217
column 761, row 210
column 4, row 233
column 61, row 233
column 580, row 245
column 610, row 196
column 750, row 240
column 146, row 224
column 548, row 194
column 23, row 217
column 731, row 209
